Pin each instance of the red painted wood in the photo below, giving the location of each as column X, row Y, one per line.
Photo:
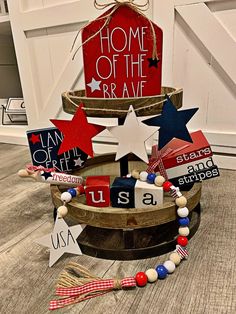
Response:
column 97, row 191
column 118, row 56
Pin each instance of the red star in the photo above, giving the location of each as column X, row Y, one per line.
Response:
column 77, row 132
column 35, row 138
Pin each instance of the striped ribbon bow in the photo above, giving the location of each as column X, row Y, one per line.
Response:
column 72, row 295
column 156, row 160
column 41, row 168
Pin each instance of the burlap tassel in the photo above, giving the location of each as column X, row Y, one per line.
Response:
column 75, row 275
column 76, row 284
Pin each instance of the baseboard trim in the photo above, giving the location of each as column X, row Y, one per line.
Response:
column 13, row 134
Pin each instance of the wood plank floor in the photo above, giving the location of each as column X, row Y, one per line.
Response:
column 206, row 283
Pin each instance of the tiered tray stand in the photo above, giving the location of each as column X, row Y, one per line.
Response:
column 120, row 233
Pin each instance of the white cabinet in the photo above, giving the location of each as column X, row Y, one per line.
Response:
column 10, row 85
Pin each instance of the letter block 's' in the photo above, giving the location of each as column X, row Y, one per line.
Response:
column 147, row 195
column 122, row 192
column 97, row 191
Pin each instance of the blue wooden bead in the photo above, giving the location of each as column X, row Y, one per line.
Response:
column 162, row 271
column 151, row 178
column 184, row 221
column 72, row 192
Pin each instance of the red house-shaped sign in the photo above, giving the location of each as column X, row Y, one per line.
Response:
column 124, row 59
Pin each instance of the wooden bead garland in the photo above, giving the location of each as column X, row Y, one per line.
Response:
column 66, row 197
column 151, row 274
column 175, row 258
column 168, row 267
column 62, row 211
column 184, row 231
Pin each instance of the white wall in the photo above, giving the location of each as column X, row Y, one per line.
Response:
column 200, row 48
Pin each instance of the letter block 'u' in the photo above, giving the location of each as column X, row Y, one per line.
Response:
column 97, row 191
column 122, row 192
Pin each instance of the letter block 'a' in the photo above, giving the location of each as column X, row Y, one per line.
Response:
column 97, row 191
column 122, row 192
column 147, row 195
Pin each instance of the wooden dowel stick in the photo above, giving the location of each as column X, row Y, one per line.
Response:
column 124, row 164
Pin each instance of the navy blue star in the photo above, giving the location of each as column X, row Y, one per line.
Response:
column 46, row 175
column 172, row 123
column 153, row 62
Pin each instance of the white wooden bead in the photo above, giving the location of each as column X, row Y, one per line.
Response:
column 182, row 212
column 184, row 231
column 151, row 274
column 170, row 266
column 159, row 180
column 66, row 197
column 181, row 201
column 143, row 176
column 175, row 258
column 62, row 211
column 135, row 174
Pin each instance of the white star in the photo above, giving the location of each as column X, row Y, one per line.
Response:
column 78, row 162
column 94, row 85
column 132, row 136
column 61, row 240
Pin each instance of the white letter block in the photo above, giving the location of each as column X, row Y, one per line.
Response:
column 147, row 195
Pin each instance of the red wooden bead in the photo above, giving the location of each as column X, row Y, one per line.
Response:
column 181, row 240
column 80, row 188
column 166, row 186
column 141, row 279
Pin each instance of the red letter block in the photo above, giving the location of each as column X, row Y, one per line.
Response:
column 97, row 191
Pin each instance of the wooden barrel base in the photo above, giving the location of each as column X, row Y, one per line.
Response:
column 126, row 233
column 129, row 244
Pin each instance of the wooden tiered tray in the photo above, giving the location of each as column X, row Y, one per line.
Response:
column 118, row 107
column 120, row 233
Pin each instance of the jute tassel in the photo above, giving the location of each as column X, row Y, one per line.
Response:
column 139, row 8
column 76, row 284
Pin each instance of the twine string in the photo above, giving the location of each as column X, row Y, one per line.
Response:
column 139, row 8
column 76, row 284
column 117, row 284
column 67, row 96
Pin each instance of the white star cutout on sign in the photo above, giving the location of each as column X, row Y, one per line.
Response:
column 132, row 136
column 61, row 240
column 78, row 162
column 94, row 85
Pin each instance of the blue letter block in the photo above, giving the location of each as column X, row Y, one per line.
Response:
column 122, row 192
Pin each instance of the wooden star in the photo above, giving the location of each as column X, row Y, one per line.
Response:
column 77, row 132
column 61, row 240
column 132, row 136
column 153, row 62
column 172, row 123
